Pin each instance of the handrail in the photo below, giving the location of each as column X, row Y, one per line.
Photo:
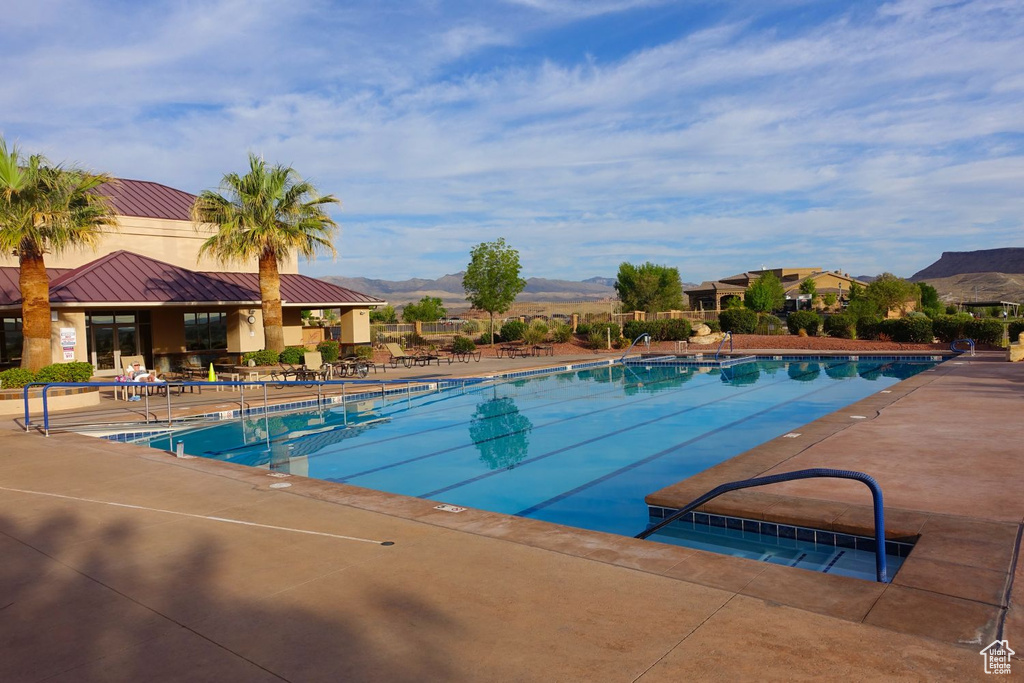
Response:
column 241, row 384
column 952, row 345
column 728, row 335
column 642, row 336
column 813, row 473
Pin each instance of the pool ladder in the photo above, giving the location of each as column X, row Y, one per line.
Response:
column 728, row 335
column 881, row 571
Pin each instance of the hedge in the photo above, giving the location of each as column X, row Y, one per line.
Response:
column 75, row 371
column 948, row 328
column 15, row 378
column 867, row 327
column 803, row 320
column 738, row 320
column 986, row 331
column 840, row 325
column 264, row 357
column 910, row 330
column 660, row 330
column 1016, row 327
column 294, row 355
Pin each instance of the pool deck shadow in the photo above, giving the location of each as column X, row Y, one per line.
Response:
column 92, row 589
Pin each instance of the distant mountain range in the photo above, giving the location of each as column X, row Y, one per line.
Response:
column 982, row 275
column 449, row 289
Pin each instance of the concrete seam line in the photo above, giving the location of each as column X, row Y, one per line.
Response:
column 187, row 514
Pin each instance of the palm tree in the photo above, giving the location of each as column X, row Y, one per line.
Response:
column 266, row 214
column 45, row 209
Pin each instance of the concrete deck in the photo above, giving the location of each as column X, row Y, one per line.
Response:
column 167, row 590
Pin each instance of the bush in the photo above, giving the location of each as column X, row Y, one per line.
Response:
column 462, row 344
column 596, row 340
column 917, row 330
column 715, row 325
column 561, row 333
column 470, row 327
column 738, row 320
column 951, row 310
column 485, row 338
column 620, row 343
column 803, row 320
column 264, row 357
column 660, row 330
column 16, row 378
column 65, row 372
column 769, row 324
column 364, row 352
column 985, row 331
column 412, row 340
column 603, row 329
column 950, row 327
column 583, row 328
column 329, row 350
column 867, row 327
column 1016, row 327
column 840, row 325
column 513, row 330
column 534, row 335
column 293, row 355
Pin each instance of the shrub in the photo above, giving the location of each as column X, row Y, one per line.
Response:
column 513, row 330
column 535, row 334
column 867, row 327
column 293, row 354
column 65, row 372
column 1016, row 327
column 803, row 320
column 15, row 378
column 412, row 339
column 603, row 329
column 364, row 352
column 583, row 328
column 985, row 331
column 660, row 330
column 714, row 325
column 951, row 310
column 917, row 330
column 596, row 340
column 485, row 338
column 949, row 327
column 462, row 344
column 620, row 343
column 561, row 333
column 769, row 324
column 329, row 350
column 470, row 327
column 264, row 357
column 840, row 325
column 738, row 320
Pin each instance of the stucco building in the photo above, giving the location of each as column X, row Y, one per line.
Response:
column 713, row 295
column 145, row 291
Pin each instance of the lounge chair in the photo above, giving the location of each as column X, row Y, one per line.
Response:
column 399, row 354
column 314, row 366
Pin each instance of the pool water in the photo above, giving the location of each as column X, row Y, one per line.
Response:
column 581, row 448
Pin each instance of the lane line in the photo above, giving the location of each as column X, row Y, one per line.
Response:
column 207, row 517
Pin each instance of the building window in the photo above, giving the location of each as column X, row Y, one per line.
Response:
column 206, row 331
column 10, row 341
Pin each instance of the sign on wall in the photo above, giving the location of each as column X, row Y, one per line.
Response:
column 68, row 339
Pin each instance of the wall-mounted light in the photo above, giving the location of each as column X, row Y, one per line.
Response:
column 252, row 317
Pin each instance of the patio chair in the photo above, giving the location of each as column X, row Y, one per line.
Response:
column 314, row 365
column 399, row 354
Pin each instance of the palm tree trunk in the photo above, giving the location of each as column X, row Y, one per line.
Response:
column 35, row 311
column 270, row 293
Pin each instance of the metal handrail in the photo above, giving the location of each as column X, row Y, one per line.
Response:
column 728, row 335
column 970, row 343
column 813, row 473
column 642, row 336
column 408, row 383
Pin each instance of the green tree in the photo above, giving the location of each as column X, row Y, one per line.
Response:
column 649, row 287
column 385, row 315
column 809, row 287
column 265, row 214
column 492, row 279
column 45, row 209
column 889, row 292
column 428, row 310
column 766, row 294
column 860, row 306
column 930, row 303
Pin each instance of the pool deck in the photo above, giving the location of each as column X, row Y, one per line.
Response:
column 119, row 565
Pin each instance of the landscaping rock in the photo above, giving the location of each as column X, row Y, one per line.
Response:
column 701, row 330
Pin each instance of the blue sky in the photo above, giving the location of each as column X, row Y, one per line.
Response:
column 713, row 136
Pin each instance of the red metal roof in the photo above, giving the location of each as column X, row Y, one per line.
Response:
column 123, row 277
column 148, row 200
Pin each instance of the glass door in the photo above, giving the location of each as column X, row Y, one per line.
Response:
column 103, row 347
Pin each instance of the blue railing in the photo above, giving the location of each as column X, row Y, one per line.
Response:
column 814, row 473
column 970, row 344
column 147, row 387
column 635, row 341
column 728, row 335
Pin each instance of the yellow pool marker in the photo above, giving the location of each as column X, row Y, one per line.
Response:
column 213, row 375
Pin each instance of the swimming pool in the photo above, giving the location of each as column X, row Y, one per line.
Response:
column 580, row 448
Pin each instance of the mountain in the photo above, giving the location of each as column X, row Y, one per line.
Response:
column 1006, row 260
column 449, row 289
